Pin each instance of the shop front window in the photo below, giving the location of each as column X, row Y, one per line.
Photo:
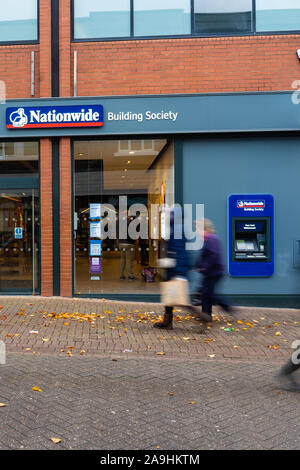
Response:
column 19, row 217
column 18, row 21
column 121, row 190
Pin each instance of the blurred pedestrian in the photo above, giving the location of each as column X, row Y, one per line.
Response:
column 210, row 265
column 287, row 375
column 177, row 266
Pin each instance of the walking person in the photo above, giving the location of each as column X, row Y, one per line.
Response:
column 210, row 265
column 286, row 374
column 176, row 263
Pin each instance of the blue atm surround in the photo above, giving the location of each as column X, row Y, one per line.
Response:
column 251, row 235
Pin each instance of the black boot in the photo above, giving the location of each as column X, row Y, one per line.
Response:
column 167, row 322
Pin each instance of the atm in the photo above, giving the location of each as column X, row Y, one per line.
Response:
column 250, row 235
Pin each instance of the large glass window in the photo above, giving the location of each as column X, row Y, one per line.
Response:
column 18, row 20
column 223, row 16
column 101, row 19
column 118, row 228
column 149, row 18
column 277, row 15
column 19, row 159
column 162, row 17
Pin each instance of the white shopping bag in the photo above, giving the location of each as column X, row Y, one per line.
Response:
column 175, row 292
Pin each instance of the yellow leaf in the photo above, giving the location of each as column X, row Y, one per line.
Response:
column 55, row 440
column 208, row 340
column 82, row 351
column 192, row 403
column 45, row 340
column 278, row 333
column 160, row 353
column 2, row 404
column 36, row 389
column 235, row 347
column 186, row 338
column 212, row 355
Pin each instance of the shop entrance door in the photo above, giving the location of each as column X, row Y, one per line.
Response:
column 19, row 241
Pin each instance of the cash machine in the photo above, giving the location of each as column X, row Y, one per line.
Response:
column 251, row 235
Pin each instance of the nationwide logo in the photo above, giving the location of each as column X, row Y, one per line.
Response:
column 250, row 204
column 54, row 116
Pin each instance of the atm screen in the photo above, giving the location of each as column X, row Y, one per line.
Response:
column 250, row 240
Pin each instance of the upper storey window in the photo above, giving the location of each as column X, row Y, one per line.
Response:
column 105, row 19
column 277, row 15
column 223, row 16
column 19, row 21
column 116, row 19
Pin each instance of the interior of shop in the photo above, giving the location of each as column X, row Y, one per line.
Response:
column 120, row 183
column 19, row 217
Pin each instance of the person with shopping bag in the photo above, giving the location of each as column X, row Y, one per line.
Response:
column 175, row 289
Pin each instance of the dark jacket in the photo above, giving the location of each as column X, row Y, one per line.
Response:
column 210, row 260
column 176, row 249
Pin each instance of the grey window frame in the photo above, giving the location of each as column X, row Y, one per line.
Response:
column 186, row 36
column 27, row 41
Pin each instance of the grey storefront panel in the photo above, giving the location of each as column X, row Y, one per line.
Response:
column 216, row 167
column 210, row 113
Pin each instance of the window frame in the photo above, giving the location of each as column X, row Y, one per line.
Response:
column 192, row 35
column 27, row 41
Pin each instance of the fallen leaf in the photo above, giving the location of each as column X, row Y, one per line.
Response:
column 36, row 389
column 46, row 339
column 212, row 355
column 208, row 340
column 82, row 352
column 2, row 404
column 186, row 338
column 273, row 347
column 171, row 394
column 278, row 333
column 192, row 403
column 235, row 347
column 55, row 440
column 160, row 353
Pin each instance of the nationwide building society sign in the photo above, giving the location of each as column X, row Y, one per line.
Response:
column 54, row 116
column 76, row 116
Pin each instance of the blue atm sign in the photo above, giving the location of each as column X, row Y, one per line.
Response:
column 54, row 116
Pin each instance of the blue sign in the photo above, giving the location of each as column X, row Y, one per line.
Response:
column 251, row 235
column 18, row 233
column 54, row 116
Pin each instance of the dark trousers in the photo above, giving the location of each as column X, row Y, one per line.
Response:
column 289, row 368
column 208, row 296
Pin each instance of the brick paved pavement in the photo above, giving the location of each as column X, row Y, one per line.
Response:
column 96, row 403
column 69, row 326
column 105, row 387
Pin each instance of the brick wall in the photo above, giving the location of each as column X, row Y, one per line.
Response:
column 15, row 70
column 194, row 65
column 46, row 217
column 66, row 238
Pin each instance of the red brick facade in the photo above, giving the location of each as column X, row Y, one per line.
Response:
column 158, row 66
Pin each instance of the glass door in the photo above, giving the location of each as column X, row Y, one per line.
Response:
column 19, row 241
